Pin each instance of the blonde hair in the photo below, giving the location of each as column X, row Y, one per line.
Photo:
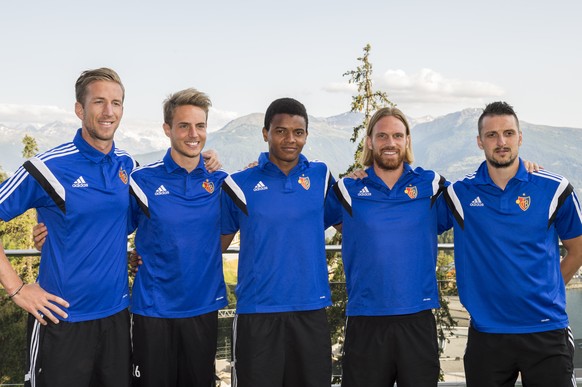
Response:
column 188, row 96
column 367, row 157
column 89, row 76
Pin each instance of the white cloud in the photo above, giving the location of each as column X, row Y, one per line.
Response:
column 217, row 119
column 11, row 113
column 429, row 87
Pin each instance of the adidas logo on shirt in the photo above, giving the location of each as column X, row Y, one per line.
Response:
column 476, row 202
column 162, row 191
column 260, row 187
column 364, row 192
column 80, row 183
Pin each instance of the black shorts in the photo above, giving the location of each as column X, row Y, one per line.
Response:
column 174, row 351
column 291, row 349
column 542, row 359
column 81, row 354
column 382, row 350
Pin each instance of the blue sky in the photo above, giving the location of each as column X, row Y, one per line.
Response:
column 431, row 57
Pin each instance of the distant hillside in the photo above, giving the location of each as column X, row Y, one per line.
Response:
column 145, row 138
column 446, row 144
column 241, row 141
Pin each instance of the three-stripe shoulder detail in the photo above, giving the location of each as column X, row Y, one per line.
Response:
column 548, row 175
column 37, row 168
column 12, row 183
column 122, row 153
column 59, row 151
column 155, row 164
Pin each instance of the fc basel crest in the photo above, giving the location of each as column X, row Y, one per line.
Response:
column 123, row 175
column 208, row 186
column 305, row 182
column 523, row 202
column 411, row 191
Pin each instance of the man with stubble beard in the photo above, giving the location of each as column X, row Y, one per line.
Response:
column 509, row 274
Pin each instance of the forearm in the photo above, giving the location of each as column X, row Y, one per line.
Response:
column 225, row 241
column 573, row 258
column 568, row 268
column 8, row 276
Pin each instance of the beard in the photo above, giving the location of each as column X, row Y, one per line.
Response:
column 501, row 164
column 388, row 165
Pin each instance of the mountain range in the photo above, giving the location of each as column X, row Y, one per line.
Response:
column 446, row 144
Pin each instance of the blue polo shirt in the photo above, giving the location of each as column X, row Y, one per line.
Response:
column 282, row 265
column 177, row 215
column 507, row 256
column 82, row 195
column 389, row 241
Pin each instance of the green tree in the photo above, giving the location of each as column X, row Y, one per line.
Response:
column 446, row 237
column 27, row 219
column 30, row 146
column 17, row 234
column 3, row 175
column 367, row 101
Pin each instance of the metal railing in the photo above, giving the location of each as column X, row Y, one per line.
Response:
column 230, row 250
column 224, row 347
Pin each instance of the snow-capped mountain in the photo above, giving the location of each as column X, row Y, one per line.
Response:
column 446, row 144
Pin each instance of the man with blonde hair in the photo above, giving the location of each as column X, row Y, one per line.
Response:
column 367, row 158
column 78, row 327
column 389, row 221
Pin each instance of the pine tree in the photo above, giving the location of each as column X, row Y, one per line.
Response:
column 3, row 175
column 30, row 146
column 366, row 101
